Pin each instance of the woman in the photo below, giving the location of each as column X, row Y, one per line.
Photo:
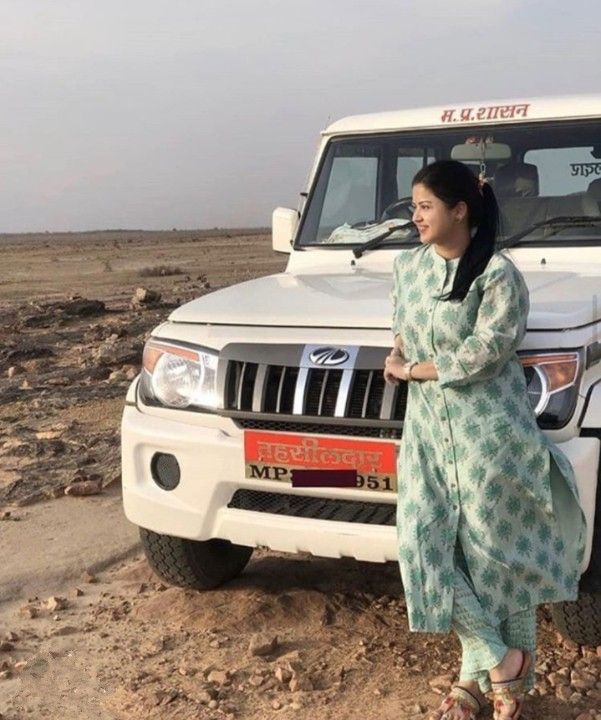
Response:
column 488, row 520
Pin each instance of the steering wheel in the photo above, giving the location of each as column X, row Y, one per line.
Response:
column 400, row 208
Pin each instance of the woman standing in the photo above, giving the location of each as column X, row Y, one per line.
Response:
column 488, row 520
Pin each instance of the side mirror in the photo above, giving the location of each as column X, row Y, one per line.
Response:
column 284, row 222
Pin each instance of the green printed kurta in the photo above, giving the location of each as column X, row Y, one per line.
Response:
column 474, row 467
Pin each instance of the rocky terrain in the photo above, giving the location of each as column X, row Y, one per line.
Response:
column 293, row 636
column 75, row 310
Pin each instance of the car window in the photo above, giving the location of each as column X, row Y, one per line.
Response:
column 564, row 171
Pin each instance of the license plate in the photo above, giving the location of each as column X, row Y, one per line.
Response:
column 274, row 456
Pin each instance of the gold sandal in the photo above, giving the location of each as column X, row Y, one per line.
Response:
column 465, row 705
column 508, row 696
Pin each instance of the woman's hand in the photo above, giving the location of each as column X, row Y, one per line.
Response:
column 394, row 368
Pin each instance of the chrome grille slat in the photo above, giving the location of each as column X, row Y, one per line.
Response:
column 259, row 388
column 240, row 387
column 366, row 396
column 322, row 393
column 387, row 401
column 278, row 404
column 300, row 392
column 343, row 393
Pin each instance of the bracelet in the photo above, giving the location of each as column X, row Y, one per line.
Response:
column 408, row 366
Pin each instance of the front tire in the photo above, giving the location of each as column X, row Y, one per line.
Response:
column 198, row 565
column 580, row 620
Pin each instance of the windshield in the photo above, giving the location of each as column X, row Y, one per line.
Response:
column 538, row 171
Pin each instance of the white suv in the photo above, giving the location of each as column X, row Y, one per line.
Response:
column 246, row 392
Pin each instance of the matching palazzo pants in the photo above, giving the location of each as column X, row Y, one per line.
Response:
column 483, row 642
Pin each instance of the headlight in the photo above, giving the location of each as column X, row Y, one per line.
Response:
column 177, row 376
column 553, row 380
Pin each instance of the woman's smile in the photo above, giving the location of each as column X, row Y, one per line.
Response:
column 435, row 222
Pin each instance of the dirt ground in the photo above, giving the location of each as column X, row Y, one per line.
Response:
column 122, row 645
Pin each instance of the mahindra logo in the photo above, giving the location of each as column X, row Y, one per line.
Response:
column 328, row 356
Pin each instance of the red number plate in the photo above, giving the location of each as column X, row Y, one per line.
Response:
column 273, row 456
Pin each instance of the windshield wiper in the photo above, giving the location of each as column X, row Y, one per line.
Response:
column 556, row 224
column 379, row 239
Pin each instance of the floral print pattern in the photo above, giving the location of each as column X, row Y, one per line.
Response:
column 474, row 467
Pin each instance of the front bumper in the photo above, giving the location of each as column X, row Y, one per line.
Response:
column 212, row 469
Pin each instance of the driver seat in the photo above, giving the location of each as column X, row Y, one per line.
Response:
column 516, row 180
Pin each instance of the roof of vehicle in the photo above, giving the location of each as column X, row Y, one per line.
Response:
column 475, row 113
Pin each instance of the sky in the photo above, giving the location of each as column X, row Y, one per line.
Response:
column 152, row 114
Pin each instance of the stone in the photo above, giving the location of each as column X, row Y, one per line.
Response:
column 64, row 630
column 89, row 577
column 581, row 680
column 144, row 296
column 14, row 370
column 262, row 644
column 84, row 487
column 205, row 697
column 55, row 603
column 186, row 670
column 284, row 675
column 555, row 679
column 564, row 692
column 276, row 704
column 48, row 434
column 300, row 682
column 29, row 612
column 219, row 676
column 441, row 682
column 130, row 371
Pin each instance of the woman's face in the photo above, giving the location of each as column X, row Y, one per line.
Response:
column 435, row 221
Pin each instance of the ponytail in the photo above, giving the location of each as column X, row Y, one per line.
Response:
column 481, row 248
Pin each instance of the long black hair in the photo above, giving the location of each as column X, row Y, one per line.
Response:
column 452, row 182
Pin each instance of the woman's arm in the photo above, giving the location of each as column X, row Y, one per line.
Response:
column 497, row 333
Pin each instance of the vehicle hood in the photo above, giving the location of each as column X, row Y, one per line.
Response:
column 559, row 299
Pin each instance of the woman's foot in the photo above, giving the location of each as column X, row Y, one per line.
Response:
column 509, row 667
column 464, row 702
column 508, row 679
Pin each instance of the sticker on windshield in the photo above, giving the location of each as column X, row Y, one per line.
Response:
column 486, row 112
column 586, row 168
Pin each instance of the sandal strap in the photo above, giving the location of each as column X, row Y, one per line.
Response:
column 509, row 686
column 460, row 699
column 508, row 696
column 465, row 697
column 517, row 684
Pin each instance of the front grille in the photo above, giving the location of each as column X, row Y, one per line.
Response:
column 361, row 394
column 389, row 433
column 316, row 508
